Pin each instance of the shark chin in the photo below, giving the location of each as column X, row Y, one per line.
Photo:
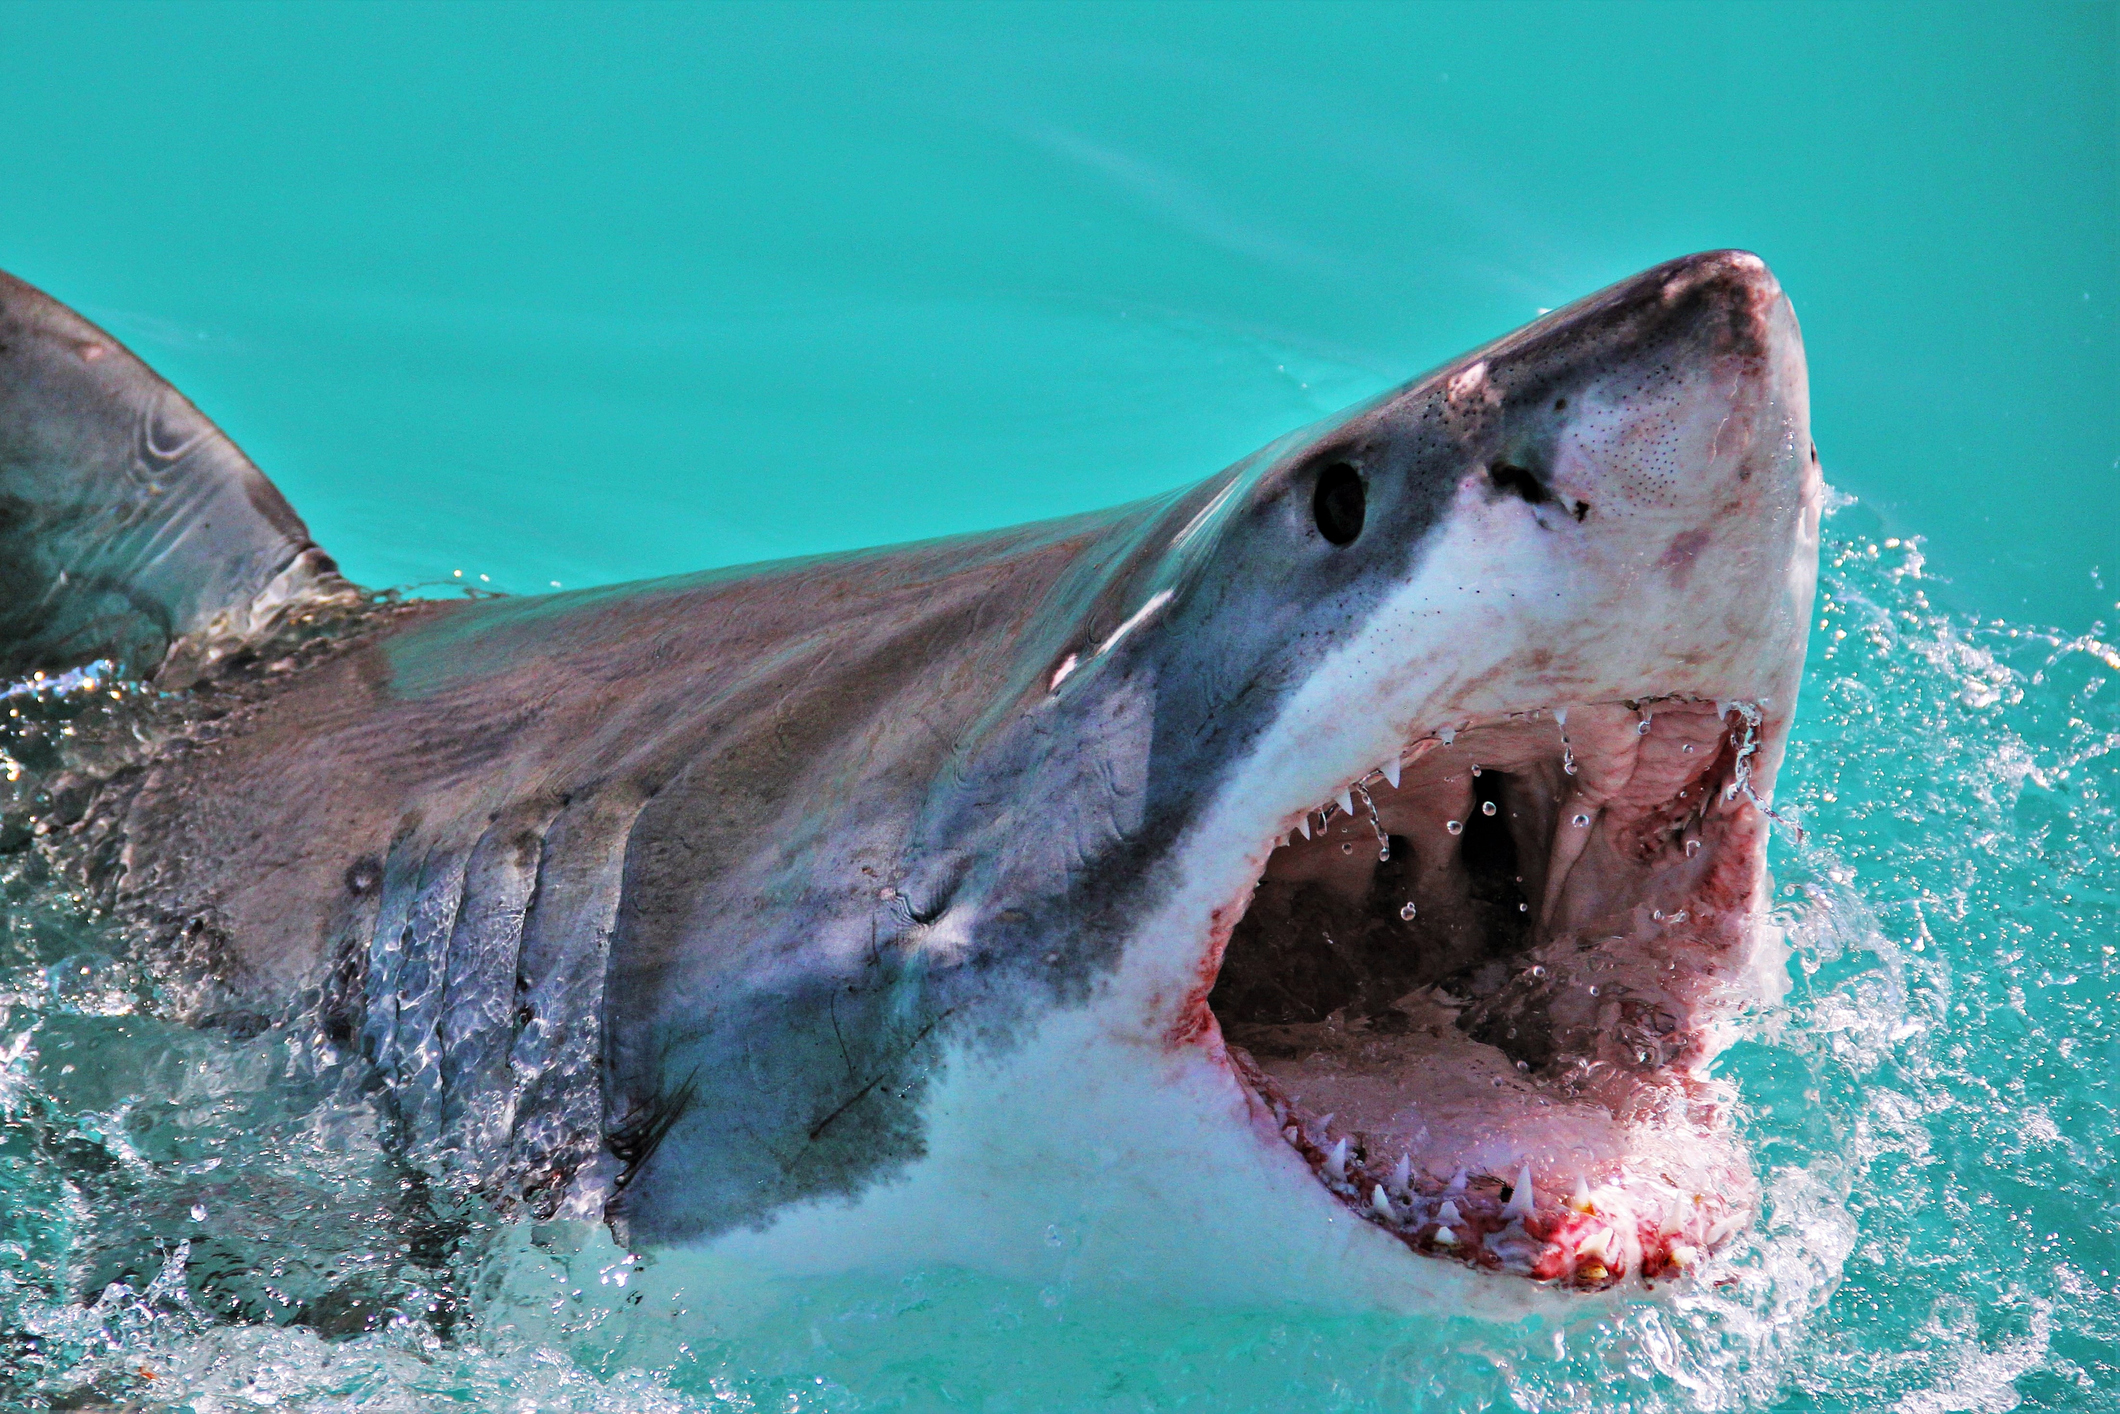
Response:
column 1330, row 882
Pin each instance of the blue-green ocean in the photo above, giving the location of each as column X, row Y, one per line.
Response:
column 518, row 296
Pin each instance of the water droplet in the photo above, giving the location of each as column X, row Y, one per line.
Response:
column 1384, row 855
column 1687, row 748
column 1523, row 1065
column 1486, row 807
column 1593, row 991
column 1581, row 820
column 1692, row 848
column 1406, row 911
column 1456, row 827
column 1657, row 914
column 198, row 1212
column 1475, row 768
column 1641, row 728
column 1569, row 767
column 1538, row 971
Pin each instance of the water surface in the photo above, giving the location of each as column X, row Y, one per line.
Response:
column 547, row 294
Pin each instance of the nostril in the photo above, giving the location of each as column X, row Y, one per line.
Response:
column 1513, row 480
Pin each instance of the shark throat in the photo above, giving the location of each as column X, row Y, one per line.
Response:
column 1478, row 990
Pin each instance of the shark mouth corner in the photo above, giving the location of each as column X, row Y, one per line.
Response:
column 1477, row 991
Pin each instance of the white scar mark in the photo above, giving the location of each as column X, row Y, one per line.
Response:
column 1134, row 621
column 1139, row 615
column 1469, row 384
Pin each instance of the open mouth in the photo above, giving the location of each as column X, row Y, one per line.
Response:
column 1478, row 990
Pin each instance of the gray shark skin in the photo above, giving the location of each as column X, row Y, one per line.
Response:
column 739, row 909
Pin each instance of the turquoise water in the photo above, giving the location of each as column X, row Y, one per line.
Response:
column 579, row 295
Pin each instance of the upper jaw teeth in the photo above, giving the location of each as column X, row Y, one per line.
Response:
column 1521, row 1198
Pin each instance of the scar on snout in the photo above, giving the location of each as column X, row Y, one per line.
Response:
column 1685, row 547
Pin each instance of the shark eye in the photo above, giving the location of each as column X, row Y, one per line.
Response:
column 1338, row 503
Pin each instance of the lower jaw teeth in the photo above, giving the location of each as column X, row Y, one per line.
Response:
column 1591, row 1239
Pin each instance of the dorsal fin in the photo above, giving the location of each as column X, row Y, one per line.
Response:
column 131, row 528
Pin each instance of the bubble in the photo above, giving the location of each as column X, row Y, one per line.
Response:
column 1641, row 728
column 1475, row 768
column 1523, row 908
column 1486, row 807
column 1347, row 849
column 1581, row 819
column 1538, row 971
column 1569, row 767
column 1593, row 989
column 1687, row 748
column 1456, row 827
column 198, row 1212
column 1692, row 848
column 1407, row 910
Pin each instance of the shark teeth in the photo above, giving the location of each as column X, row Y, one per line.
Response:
column 1586, row 1223
column 1598, row 1235
column 1521, row 1200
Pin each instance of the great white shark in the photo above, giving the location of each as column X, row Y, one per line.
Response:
column 1329, row 881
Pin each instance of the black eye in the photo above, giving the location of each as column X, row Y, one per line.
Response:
column 1339, row 503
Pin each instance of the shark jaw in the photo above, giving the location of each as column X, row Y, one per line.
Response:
column 1476, row 991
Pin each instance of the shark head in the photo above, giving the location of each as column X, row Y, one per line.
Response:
column 1351, row 880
